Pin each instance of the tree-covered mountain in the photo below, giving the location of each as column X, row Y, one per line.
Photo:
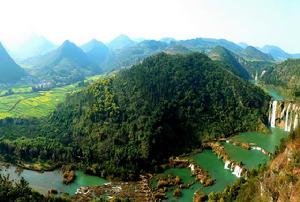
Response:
column 133, row 54
column 66, row 64
column 120, row 42
column 10, row 72
column 220, row 53
column 243, row 45
column 285, row 74
column 123, row 52
column 206, row 44
column 130, row 122
column 96, row 51
column 252, row 53
column 177, row 49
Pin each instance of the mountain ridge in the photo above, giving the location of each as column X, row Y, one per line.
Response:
column 67, row 63
column 10, row 71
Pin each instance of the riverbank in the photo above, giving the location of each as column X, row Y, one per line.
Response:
column 47, row 180
column 133, row 191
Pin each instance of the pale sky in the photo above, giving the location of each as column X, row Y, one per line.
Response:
column 256, row 22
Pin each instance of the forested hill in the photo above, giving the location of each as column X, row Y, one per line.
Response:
column 164, row 106
column 220, row 53
column 66, row 64
column 285, row 74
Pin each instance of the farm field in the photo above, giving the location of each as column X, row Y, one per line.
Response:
column 25, row 103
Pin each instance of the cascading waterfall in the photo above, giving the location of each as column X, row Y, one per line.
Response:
column 237, row 171
column 296, row 121
column 290, row 126
column 273, row 116
column 256, row 77
column 282, row 113
column 226, row 166
column 286, row 127
column 291, row 118
column 262, row 74
column 192, row 166
column 270, row 112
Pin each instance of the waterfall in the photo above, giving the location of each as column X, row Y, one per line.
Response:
column 270, row 112
column 291, row 118
column 226, row 166
column 192, row 166
column 256, row 77
column 256, row 148
column 296, row 121
column 282, row 113
column 290, row 126
column 237, row 171
column 287, row 117
column 273, row 116
column 262, row 74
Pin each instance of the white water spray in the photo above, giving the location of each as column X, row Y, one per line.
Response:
column 226, row 166
column 287, row 118
column 282, row 113
column 237, row 171
column 296, row 121
column 192, row 166
column 256, row 77
column 273, row 116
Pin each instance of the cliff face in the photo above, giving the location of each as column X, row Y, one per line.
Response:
column 281, row 181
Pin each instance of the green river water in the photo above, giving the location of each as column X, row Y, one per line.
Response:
column 45, row 181
column 215, row 167
column 267, row 141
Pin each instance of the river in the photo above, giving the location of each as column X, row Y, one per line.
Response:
column 44, row 181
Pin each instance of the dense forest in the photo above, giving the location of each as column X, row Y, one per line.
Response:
column 137, row 118
column 220, row 53
column 285, row 74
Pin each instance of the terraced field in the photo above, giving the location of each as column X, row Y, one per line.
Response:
column 35, row 104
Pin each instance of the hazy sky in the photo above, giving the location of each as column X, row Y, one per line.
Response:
column 257, row 22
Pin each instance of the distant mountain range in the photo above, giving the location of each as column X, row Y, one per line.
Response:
column 38, row 45
column 121, row 42
column 32, row 47
column 69, row 63
column 96, row 51
column 277, row 53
